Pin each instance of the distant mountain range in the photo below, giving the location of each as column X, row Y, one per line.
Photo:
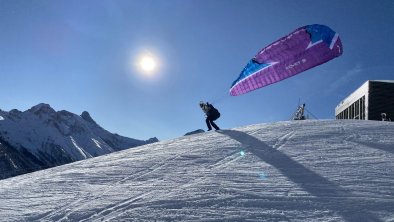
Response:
column 41, row 137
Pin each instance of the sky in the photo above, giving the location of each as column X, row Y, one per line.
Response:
column 83, row 55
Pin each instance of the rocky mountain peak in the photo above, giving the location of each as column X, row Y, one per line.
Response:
column 86, row 116
column 42, row 108
column 194, row 132
column 152, row 140
column 40, row 138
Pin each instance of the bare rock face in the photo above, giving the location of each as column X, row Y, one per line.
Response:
column 195, row 132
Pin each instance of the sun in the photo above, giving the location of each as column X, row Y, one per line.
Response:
column 147, row 64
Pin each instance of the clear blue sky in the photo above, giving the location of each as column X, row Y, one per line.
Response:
column 79, row 55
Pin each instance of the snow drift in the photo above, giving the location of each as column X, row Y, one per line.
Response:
column 287, row 171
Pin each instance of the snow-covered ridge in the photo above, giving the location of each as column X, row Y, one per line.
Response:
column 286, row 171
column 53, row 138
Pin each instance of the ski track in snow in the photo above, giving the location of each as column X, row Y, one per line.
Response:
column 290, row 171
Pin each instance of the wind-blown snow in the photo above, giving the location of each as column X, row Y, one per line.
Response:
column 289, row 171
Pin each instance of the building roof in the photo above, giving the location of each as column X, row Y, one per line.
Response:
column 359, row 92
column 387, row 81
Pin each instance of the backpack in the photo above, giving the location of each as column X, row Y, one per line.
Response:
column 213, row 113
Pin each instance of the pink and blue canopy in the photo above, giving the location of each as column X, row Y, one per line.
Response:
column 306, row 47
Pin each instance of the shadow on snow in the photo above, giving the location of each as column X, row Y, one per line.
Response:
column 331, row 195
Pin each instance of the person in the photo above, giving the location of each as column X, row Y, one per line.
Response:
column 299, row 115
column 385, row 117
column 211, row 114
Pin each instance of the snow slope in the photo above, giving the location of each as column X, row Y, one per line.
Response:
column 287, row 171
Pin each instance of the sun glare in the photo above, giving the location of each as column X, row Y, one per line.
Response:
column 147, row 64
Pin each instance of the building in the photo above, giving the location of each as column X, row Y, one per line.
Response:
column 368, row 102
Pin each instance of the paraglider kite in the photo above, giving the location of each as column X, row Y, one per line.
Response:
column 300, row 50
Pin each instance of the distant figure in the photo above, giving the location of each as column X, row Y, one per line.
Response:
column 299, row 114
column 211, row 114
column 385, row 117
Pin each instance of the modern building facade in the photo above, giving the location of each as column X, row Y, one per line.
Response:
column 368, row 102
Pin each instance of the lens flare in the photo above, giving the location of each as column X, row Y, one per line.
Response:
column 263, row 176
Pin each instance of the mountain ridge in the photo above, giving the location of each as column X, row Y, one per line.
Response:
column 50, row 138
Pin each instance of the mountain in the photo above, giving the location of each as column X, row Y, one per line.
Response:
column 337, row 170
column 194, row 132
column 40, row 137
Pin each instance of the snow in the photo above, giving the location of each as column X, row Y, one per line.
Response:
column 337, row 170
column 80, row 149
column 56, row 137
column 11, row 161
column 97, row 143
column 32, row 129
